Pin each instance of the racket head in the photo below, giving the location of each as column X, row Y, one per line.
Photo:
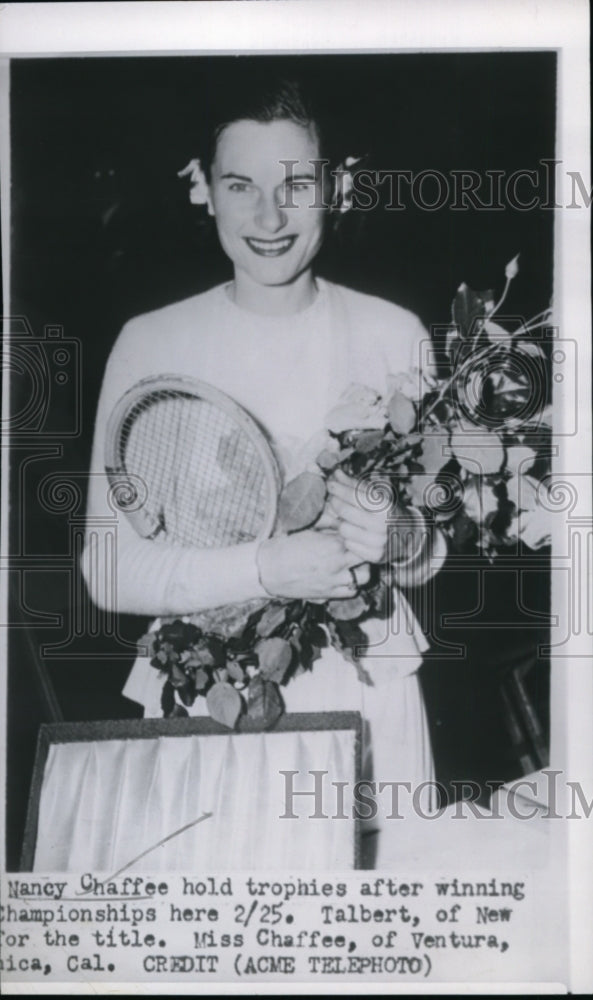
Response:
column 188, row 465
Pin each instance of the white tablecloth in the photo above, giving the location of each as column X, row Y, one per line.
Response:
column 105, row 802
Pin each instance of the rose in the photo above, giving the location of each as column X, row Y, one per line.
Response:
column 360, row 408
column 413, row 384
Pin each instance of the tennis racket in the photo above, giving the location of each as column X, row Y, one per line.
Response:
column 188, row 465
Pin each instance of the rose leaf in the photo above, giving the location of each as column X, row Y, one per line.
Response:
column 302, row 501
column 265, row 704
column 272, row 618
column 224, row 704
column 274, row 656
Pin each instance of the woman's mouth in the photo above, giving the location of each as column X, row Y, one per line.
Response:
column 270, row 248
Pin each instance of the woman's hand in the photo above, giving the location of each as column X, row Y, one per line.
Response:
column 363, row 530
column 310, row 565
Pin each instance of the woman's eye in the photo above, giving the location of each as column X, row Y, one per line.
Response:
column 238, row 186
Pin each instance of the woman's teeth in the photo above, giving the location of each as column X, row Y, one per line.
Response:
column 271, row 248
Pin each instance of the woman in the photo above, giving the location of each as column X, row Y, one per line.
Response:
column 285, row 345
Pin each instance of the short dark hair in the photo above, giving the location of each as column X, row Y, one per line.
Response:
column 266, row 99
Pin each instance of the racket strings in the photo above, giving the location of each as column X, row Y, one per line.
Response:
column 204, row 479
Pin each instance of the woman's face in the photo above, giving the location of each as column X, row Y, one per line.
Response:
column 265, row 211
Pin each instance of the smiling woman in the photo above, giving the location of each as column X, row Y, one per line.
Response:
column 270, row 219
column 284, row 345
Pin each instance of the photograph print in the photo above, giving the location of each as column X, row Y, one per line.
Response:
column 281, row 430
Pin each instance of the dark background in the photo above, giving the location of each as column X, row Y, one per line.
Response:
column 102, row 230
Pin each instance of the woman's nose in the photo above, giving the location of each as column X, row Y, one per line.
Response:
column 269, row 215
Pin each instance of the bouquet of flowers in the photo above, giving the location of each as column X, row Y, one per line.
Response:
column 468, row 451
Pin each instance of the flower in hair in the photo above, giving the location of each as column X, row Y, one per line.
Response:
column 347, row 184
column 198, row 192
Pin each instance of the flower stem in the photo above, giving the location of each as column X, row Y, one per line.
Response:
column 532, row 324
column 501, row 299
